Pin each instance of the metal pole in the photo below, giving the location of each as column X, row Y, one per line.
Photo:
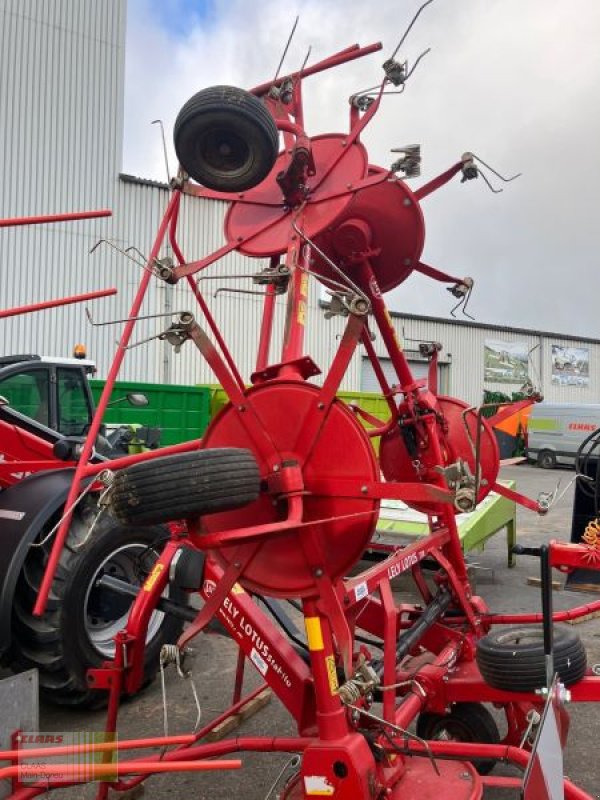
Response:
column 546, row 581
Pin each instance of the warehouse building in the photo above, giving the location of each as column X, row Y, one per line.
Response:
column 62, row 70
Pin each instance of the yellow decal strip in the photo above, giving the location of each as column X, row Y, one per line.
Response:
column 332, row 675
column 314, row 633
column 153, row 577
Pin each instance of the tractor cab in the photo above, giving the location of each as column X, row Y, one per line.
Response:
column 52, row 392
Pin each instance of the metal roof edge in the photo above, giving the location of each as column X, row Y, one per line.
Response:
column 494, row 327
column 126, row 178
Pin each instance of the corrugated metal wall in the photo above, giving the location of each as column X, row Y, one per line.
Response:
column 61, row 90
column 465, row 344
column 61, row 87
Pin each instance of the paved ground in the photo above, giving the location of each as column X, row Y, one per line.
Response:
column 507, row 591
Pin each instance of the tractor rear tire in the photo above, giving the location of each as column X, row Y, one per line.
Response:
column 466, row 722
column 226, row 139
column 76, row 631
column 513, row 659
column 185, row 485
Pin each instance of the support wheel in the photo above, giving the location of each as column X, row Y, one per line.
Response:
column 546, row 459
column 226, row 139
column 466, row 722
column 185, row 485
column 513, row 659
column 76, row 631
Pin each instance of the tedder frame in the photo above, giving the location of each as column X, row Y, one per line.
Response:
column 321, row 210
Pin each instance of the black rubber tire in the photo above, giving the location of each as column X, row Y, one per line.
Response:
column 546, row 459
column 226, row 139
column 61, row 643
column 466, row 722
column 185, row 485
column 513, row 659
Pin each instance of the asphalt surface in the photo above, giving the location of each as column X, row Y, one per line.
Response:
column 503, row 589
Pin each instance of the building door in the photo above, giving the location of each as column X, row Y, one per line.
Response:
column 419, row 368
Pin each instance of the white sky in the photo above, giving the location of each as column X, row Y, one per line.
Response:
column 515, row 81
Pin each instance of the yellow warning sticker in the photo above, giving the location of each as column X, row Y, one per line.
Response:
column 301, row 316
column 314, row 633
column 332, row 674
column 237, row 589
column 157, row 570
column 394, row 332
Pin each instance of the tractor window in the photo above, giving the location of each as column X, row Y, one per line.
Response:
column 29, row 393
column 74, row 414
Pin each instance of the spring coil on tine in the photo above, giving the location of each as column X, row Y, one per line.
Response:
column 106, row 478
column 352, row 690
column 172, row 654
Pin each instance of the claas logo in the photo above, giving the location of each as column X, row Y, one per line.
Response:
column 582, row 426
column 42, row 738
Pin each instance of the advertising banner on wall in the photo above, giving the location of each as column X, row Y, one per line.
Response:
column 570, row 366
column 505, row 362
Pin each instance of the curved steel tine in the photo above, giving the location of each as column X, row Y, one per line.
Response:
column 496, row 173
column 164, row 144
column 409, row 28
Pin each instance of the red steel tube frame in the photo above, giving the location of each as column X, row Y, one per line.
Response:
column 200, row 734
column 61, row 535
column 48, row 218
column 96, row 747
column 63, row 301
column 332, row 717
column 344, row 56
column 94, row 771
column 468, row 751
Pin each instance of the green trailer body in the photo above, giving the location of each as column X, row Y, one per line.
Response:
column 181, row 412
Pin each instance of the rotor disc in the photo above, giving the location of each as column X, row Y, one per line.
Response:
column 265, row 204
column 398, row 465
column 391, row 214
column 342, row 450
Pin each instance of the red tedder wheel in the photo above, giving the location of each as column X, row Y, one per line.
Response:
column 342, row 451
column 397, row 464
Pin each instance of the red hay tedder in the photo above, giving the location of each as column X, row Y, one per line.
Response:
column 281, row 496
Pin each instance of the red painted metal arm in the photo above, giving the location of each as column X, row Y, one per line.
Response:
column 501, row 752
column 202, row 303
column 62, row 301
column 348, row 54
column 46, row 218
column 61, row 535
column 438, row 182
column 96, row 747
column 220, row 539
column 379, row 425
column 407, row 492
column 93, row 771
column 564, row 554
column 317, row 414
column 192, row 267
column 532, row 619
column 436, row 274
column 527, row 502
